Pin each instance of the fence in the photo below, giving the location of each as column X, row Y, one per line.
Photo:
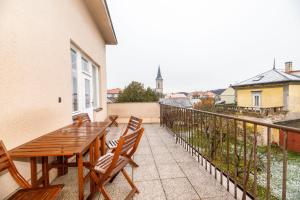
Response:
column 228, row 148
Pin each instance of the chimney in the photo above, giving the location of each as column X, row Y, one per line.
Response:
column 288, row 67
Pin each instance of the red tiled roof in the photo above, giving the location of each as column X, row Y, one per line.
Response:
column 114, row 91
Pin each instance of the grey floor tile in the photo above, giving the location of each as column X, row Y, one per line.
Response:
column 169, row 171
column 150, row 190
column 159, row 149
column 179, row 189
column 192, row 169
column 145, row 173
column 164, row 158
column 116, row 191
column 146, row 159
column 183, row 157
column 143, row 150
column 208, row 188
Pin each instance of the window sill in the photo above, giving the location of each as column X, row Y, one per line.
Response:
column 98, row 109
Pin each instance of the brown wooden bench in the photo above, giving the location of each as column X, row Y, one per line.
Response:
column 26, row 193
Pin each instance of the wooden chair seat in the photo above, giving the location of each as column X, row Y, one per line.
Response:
column 112, row 144
column 48, row 193
column 105, row 161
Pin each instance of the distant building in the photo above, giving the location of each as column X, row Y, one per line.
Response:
column 182, row 102
column 175, row 95
column 159, row 82
column 227, row 96
column 113, row 94
column 275, row 89
column 198, row 95
column 217, row 93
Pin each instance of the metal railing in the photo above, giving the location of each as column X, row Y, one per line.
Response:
column 243, row 155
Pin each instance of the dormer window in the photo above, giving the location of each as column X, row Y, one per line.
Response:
column 258, row 78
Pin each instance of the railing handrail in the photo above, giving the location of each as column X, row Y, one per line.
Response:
column 271, row 125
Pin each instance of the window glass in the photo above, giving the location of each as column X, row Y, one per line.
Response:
column 74, row 80
column 87, row 93
column 85, row 66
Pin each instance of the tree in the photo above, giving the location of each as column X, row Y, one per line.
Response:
column 135, row 92
column 206, row 104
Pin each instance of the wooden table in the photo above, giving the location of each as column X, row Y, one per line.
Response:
column 67, row 141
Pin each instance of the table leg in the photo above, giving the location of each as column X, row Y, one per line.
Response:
column 45, row 171
column 80, row 177
column 103, row 145
column 97, row 149
column 60, row 171
column 33, row 168
column 92, row 153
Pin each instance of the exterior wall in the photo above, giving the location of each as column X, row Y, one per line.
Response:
column 36, row 69
column 270, row 97
column 149, row 112
column 293, row 142
column 294, row 98
column 228, row 96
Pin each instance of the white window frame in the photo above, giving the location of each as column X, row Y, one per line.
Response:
column 81, row 75
column 97, row 105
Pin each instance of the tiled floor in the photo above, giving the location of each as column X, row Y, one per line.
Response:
column 166, row 171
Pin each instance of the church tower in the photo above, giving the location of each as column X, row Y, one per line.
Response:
column 159, row 82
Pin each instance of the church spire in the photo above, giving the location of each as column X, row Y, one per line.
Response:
column 159, row 82
column 159, row 77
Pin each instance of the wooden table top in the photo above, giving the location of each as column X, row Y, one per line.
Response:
column 66, row 141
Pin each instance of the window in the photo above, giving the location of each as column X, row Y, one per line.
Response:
column 74, row 80
column 85, row 65
column 87, row 92
column 256, row 99
column 85, row 82
column 95, row 86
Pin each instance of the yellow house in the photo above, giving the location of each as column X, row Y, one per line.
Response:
column 52, row 58
column 275, row 89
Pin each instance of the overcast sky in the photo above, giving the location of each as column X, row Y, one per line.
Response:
column 200, row 44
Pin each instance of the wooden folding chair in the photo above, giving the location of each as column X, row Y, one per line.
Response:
column 45, row 193
column 81, row 119
column 111, row 164
column 133, row 124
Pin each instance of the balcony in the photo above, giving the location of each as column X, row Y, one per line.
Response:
column 166, row 171
column 193, row 154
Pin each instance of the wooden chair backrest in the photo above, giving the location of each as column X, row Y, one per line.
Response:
column 6, row 163
column 134, row 124
column 126, row 143
column 81, row 119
